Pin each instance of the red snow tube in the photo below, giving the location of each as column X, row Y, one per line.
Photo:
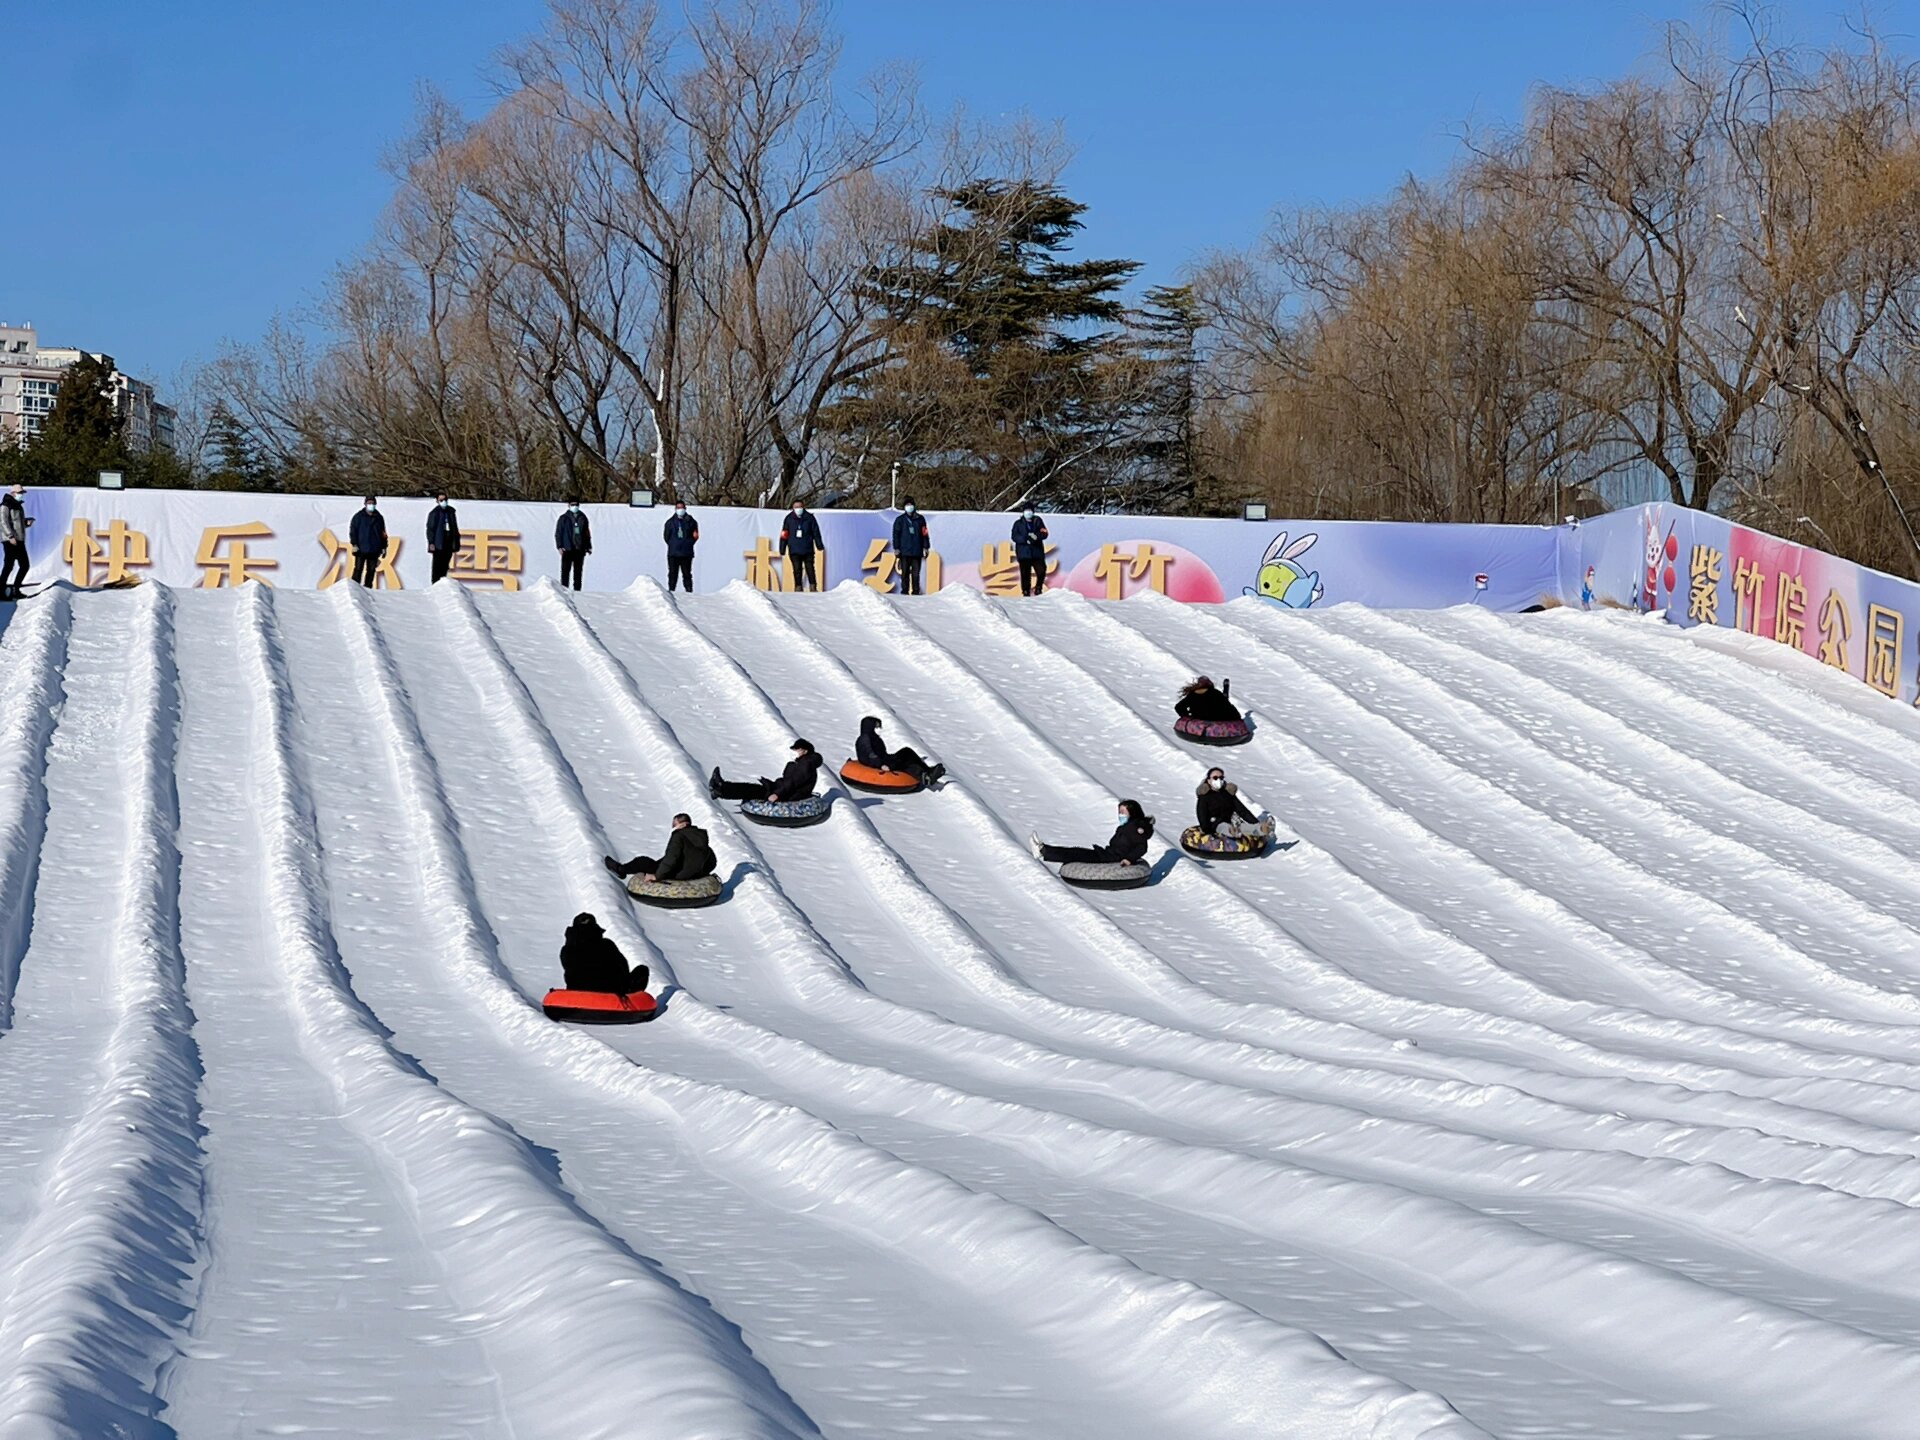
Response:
column 597, row 1007
column 1213, row 732
column 865, row 777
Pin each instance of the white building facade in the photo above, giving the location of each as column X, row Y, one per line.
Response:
column 30, row 377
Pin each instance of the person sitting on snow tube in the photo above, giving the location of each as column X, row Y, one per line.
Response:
column 870, row 750
column 687, row 856
column 795, row 782
column 1127, row 847
column 1200, row 701
column 1219, row 809
column 591, row 961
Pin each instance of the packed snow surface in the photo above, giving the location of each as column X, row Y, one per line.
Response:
column 1558, row 1076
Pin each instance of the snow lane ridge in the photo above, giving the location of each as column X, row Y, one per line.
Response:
column 97, row 1284
column 35, row 648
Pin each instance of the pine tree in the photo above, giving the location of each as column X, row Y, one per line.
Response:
column 236, row 460
column 1166, row 338
column 996, row 382
column 82, row 433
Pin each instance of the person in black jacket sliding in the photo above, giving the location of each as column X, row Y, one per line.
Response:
column 1127, row 847
column 1200, row 701
column 871, row 750
column 590, row 961
column 1030, row 550
column 687, row 856
column 1219, row 809
column 795, row 782
column 443, row 536
column 911, row 544
column 573, row 538
column 368, row 537
column 682, row 533
column 799, row 539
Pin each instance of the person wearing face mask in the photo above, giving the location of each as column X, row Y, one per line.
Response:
column 573, row 538
column 795, row 782
column 443, row 536
column 368, row 537
column 1219, row 809
column 799, row 539
column 688, row 856
column 682, row 533
column 872, row 751
column 911, row 544
column 1030, row 550
column 1127, row 847
column 14, row 521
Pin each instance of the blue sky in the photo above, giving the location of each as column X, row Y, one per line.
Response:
column 183, row 171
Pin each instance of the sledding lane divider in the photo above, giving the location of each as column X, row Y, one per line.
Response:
column 94, row 1291
column 32, row 656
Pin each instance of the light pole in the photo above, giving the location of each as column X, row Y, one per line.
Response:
column 893, row 488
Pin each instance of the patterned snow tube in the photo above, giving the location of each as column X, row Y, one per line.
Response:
column 596, row 1007
column 884, row 782
column 1106, row 877
column 1196, row 841
column 1213, row 732
column 789, row 814
column 674, row 894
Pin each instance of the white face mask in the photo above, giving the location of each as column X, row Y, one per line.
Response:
column 1216, row 784
column 909, row 509
column 1029, row 514
column 1123, row 817
column 681, row 513
column 370, row 505
column 573, row 509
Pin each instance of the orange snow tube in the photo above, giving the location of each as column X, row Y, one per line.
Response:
column 597, row 1007
column 865, row 777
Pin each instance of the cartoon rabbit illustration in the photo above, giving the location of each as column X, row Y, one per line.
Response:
column 1284, row 583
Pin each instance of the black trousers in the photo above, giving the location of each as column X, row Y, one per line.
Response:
column 741, row 789
column 639, row 865
column 908, row 762
column 572, row 563
column 803, row 578
column 365, row 567
column 681, row 566
column 1033, row 576
column 1075, row 855
column 442, row 562
column 13, row 570
column 910, row 574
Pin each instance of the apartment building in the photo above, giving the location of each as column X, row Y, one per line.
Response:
column 30, row 378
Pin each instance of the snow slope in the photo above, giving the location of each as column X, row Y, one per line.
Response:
column 1557, row 1079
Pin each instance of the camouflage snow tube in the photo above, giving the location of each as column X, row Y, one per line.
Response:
column 1106, row 877
column 1213, row 732
column 1196, row 841
column 790, row 814
column 675, row 894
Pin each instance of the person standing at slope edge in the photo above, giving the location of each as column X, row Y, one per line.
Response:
column 911, row 544
column 573, row 538
column 14, row 521
column 368, row 537
column 443, row 536
column 682, row 534
column 1030, row 550
column 799, row 539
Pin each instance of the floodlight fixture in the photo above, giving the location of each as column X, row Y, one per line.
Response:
column 1254, row 510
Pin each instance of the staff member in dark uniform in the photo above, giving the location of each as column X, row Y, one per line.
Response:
column 911, row 544
column 573, row 537
column 1030, row 550
column 368, row 537
column 682, row 533
column 443, row 536
column 799, row 539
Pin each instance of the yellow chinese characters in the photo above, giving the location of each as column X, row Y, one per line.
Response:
column 1885, row 632
column 1703, row 592
column 1747, row 581
column 489, row 558
column 1789, row 610
column 1836, row 629
column 768, row 569
column 1116, row 566
column 116, row 554
column 225, row 559
column 1000, row 570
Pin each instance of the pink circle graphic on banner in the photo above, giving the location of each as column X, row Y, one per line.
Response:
column 1129, row 567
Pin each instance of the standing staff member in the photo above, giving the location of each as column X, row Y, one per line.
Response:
column 368, row 536
column 682, row 533
column 1030, row 549
column 573, row 537
column 799, row 538
column 14, row 521
column 443, row 536
column 911, row 544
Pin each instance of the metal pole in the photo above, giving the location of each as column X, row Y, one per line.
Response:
column 893, row 488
